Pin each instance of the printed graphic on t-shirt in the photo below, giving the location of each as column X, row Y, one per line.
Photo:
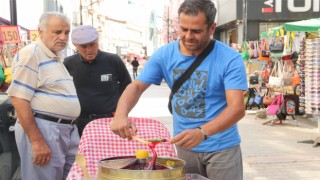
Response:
column 190, row 98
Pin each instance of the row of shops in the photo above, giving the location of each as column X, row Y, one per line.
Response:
column 247, row 19
column 283, row 70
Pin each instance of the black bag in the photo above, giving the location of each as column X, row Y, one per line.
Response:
column 277, row 45
column 254, row 79
column 265, row 53
column 290, row 105
column 276, row 48
column 177, row 84
column 294, row 57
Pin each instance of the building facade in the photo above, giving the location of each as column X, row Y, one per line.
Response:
column 246, row 19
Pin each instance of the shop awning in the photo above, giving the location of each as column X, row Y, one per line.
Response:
column 310, row 25
column 272, row 32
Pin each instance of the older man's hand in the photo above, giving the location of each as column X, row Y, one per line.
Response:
column 123, row 127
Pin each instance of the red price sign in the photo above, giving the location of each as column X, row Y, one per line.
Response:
column 33, row 35
column 9, row 34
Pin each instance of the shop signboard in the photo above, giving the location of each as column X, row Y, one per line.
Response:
column 280, row 9
column 9, row 35
column 33, row 35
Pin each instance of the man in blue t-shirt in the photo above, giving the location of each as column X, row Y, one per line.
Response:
column 207, row 106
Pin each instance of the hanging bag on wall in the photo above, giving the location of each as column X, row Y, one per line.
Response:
column 265, row 73
column 268, row 98
column 2, row 77
column 275, row 105
column 263, row 51
column 287, row 72
column 280, row 113
column 255, row 49
column 244, row 51
column 258, row 96
column 276, row 77
column 251, row 50
column 295, row 80
column 276, row 45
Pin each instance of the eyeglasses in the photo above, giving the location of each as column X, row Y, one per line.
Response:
column 315, row 108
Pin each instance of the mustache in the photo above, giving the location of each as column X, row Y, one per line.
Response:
column 190, row 40
column 63, row 43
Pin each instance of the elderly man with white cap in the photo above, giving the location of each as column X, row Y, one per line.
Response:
column 99, row 77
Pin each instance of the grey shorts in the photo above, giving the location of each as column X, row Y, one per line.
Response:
column 219, row 165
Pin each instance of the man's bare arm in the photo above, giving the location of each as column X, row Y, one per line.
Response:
column 41, row 150
column 121, row 125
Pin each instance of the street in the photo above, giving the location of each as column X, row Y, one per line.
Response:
column 269, row 152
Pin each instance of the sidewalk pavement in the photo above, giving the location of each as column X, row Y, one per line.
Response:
column 273, row 152
column 269, row 152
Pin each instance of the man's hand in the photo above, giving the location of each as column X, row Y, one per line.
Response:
column 123, row 127
column 41, row 152
column 188, row 139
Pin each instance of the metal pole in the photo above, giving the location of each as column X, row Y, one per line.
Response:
column 13, row 12
column 81, row 23
column 244, row 14
column 168, row 22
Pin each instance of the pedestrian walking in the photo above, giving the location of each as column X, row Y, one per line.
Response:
column 135, row 65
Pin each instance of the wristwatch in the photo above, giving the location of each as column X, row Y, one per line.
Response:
column 203, row 133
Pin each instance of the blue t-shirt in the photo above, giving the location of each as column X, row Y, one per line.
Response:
column 202, row 97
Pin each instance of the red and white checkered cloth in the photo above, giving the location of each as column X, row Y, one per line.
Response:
column 99, row 142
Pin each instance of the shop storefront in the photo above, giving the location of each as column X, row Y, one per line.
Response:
column 246, row 19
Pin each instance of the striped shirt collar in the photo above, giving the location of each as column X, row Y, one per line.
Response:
column 48, row 52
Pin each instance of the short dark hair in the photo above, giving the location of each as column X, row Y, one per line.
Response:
column 193, row 7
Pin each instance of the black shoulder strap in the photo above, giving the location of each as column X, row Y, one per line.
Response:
column 177, row 84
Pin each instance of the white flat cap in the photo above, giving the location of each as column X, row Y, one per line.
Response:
column 84, row 34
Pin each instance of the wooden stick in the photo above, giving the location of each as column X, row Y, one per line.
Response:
column 140, row 140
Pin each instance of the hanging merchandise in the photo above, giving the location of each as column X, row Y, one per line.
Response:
column 276, row 45
column 7, row 52
column 275, row 105
column 276, row 76
column 289, row 45
column 268, row 98
column 8, row 75
column 255, row 49
column 296, row 79
column 281, row 115
column 263, row 50
column 244, row 51
column 265, row 73
column 312, row 75
column 2, row 77
column 251, row 49
column 287, row 72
